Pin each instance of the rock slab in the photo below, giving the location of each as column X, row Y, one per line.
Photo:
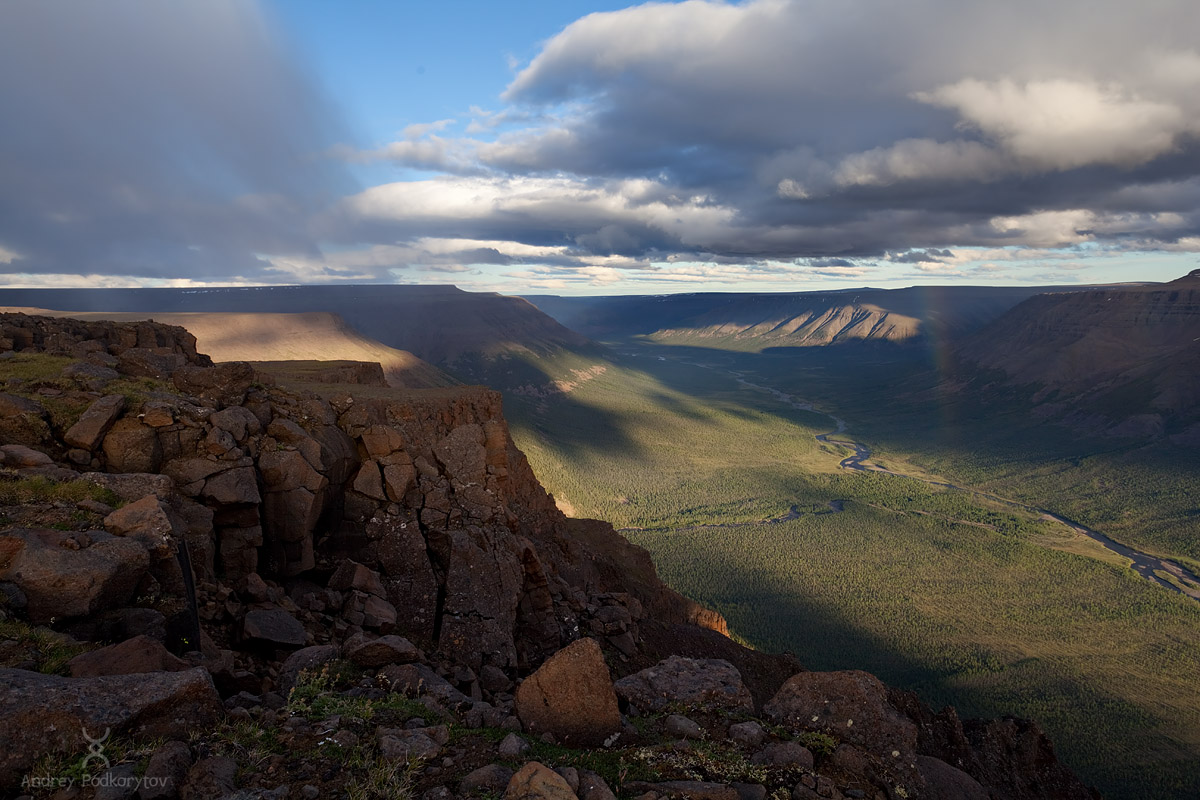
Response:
column 696, row 682
column 571, row 697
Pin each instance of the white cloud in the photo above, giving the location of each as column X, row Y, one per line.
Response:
column 1063, row 124
column 921, row 159
column 1047, row 228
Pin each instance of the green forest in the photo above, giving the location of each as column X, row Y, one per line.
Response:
column 966, row 600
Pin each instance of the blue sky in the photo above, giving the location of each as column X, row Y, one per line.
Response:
column 596, row 148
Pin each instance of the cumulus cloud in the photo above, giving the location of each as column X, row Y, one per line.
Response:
column 665, row 144
column 842, row 130
column 1064, row 124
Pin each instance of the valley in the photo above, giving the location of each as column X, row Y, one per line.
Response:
column 972, row 596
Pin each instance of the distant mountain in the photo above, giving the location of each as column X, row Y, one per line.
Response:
column 801, row 319
column 1124, row 360
column 443, row 325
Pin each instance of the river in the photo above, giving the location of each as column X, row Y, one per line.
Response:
column 1144, row 564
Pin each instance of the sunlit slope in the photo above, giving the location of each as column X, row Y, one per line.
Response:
column 753, row 322
column 1121, row 360
column 314, row 336
column 614, row 441
column 439, row 324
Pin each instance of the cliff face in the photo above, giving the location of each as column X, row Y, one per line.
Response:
column 153, row 498
column 426, row 484
column 1123, row 360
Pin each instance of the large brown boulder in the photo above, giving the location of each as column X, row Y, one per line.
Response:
column 536, row 781
column 132, row 656
column 131, row 446
column 22, row 421
column 944, row 782
column 571, row 697
column 89, row 431
column 66, row 574
column 148, row 521
column 43, row 714
column 851, row 705
column 701, row 682
column 273, row 626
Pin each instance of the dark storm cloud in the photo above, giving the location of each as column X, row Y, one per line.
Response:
column 160, row 140
column 780, row 129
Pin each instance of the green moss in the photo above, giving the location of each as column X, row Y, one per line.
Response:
column 15, row 490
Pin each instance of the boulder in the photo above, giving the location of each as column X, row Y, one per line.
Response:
column 18, row 456
column 132, row 656
column 166, row 771
column 89, row 431
column 852, row 705
column 43, row 714
column 536, row 781
column 305, row 659
column 145, row 362
column 64, row 574
column 352, row 575
column 274, row 627
column 571, row 697
column 148, row 521
column 946, row 782
column 699, row 682
column 490, row 778
column 373, row 653
column 233, row 487
column 130, row 446
column 237, row 421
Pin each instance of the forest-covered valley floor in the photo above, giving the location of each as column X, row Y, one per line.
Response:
column 967, row 601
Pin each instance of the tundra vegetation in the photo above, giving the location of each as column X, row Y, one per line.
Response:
column 964, row 600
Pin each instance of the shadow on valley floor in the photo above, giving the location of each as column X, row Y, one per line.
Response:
column 1112, row 740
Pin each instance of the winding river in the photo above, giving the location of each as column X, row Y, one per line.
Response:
column 1150, row 567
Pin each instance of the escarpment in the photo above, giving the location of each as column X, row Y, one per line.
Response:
column 424, row 486
column 1122, row 361
column 372, row 578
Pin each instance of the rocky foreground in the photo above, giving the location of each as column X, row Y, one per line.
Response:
column 212, row 586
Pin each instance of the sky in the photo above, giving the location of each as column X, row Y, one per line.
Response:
column 571, row 147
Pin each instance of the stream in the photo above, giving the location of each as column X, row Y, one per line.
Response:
column 1146, row 565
